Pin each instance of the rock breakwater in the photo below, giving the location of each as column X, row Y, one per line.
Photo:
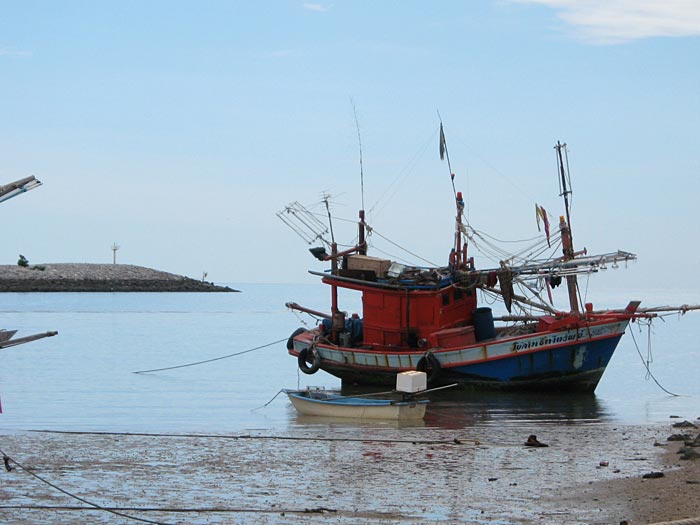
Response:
column 86, row 277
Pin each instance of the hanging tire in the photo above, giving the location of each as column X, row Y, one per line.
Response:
column 430, row 365
column 309, row 355
column 290, row 341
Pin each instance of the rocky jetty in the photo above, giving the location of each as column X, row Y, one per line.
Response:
column 98, row 278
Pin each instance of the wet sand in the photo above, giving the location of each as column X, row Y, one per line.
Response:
column 344, row 472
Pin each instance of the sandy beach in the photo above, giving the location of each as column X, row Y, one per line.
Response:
column 344, row 473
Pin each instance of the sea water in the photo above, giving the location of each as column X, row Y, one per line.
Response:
column 84, row 378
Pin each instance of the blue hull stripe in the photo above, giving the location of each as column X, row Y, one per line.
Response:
column 567, row 360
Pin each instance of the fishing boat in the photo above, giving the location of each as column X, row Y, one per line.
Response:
column 319, row 402
column 429, row 319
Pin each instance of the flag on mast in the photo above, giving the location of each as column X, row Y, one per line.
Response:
column 443, row 144
column 541, row 213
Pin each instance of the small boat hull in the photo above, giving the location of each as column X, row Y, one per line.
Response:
column 310, row 403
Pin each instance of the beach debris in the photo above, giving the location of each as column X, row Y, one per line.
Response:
column 532, row 441
column 6, row 460
column 689, row 453
column 684, row 424
column 653, row 475
column 604, row 463
column 679, row 437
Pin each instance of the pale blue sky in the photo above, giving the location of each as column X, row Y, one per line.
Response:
column 178, row 129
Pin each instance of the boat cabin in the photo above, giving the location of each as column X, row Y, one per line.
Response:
column 404, row 307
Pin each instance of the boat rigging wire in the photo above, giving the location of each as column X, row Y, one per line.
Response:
column 402, row 248
column 521, row 191
column 537, row 238
column 394, row 186
column 9, row 460
column 391, row 255
column 211, row 360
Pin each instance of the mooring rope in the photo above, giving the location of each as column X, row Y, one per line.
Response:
column 179, row 510
column 211, row 360
column 7, row 459
column 262, row 438
column 646, row 365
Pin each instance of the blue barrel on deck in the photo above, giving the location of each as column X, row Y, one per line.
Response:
column 483, row 324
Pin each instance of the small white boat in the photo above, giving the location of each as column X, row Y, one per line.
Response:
column 317, row 402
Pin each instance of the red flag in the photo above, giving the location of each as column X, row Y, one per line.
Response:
column 545, row 220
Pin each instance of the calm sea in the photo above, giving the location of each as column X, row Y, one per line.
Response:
column 83, row 379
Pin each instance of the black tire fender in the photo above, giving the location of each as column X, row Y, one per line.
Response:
column 290, row 341
column 430, row 365
column 309, row 355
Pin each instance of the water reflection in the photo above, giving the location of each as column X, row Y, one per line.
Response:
column 459, row 409
column 456, row 409
column 341, row 422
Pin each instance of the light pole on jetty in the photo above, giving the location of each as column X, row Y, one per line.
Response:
column 115, row 247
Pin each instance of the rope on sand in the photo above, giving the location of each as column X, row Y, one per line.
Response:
column 94, row 506
column 688, row 521
column 454, row 441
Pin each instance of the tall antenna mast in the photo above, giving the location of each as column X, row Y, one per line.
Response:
column 361, row 228
column 359, row 142
column 325, row 199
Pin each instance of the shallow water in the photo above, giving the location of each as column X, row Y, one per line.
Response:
column 83, row 378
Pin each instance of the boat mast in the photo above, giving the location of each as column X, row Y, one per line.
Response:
column 458, row 256
column 565, row 228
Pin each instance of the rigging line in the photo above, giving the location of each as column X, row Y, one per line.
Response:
column 334, row 217
column 540, row 241
column 392, row 256
column 646, row 365
column 537, row 238
column 404, row 249
column 588, row 280
column 535, row 255
column 534, row 292
column 496, row 170
column 76, row 497
column 410, row 166
column 210, row 360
